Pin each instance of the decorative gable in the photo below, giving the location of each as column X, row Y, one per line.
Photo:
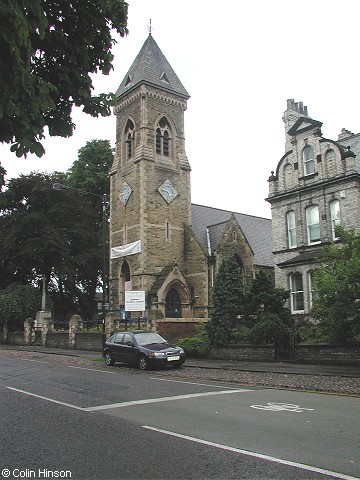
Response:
column 304, row 124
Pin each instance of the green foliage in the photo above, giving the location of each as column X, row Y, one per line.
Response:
column 196, row 346
column 49, row 49
column 58, row 234
column 264, row 297
column 269, row 329
column 265, row 312
column 227, row 298
column 337, row 281
column 17, row 303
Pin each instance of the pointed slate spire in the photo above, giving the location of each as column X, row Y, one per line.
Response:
column 151, row 67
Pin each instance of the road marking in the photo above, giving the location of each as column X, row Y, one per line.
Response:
column 163, row 399
column 93, row 370
column 281, row 407
column 131, row 403
column 192, row 383
column 28, row 360
column 253, row 454
column 46, row 398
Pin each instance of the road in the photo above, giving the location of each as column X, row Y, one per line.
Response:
column 61, row 421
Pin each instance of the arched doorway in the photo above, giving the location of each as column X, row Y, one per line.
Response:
column 173, row 304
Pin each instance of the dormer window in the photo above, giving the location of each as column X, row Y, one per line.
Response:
column 129, row 140
column 308, row 158
column 163, row 138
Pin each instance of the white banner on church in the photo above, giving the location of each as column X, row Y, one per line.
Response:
column 124, row 250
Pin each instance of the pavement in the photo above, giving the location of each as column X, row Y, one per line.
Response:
column 271, row 367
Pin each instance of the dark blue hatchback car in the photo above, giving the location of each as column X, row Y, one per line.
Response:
column 145, row 349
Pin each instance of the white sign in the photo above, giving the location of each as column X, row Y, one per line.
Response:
column 134, row 300
column 124, row 250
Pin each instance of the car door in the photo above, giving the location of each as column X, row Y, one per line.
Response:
column 128, row 350
column 116, row 347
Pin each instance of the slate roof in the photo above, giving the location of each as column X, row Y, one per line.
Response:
column 354, row 143
column 303, row 258
column 257, row 231
column 151, row 67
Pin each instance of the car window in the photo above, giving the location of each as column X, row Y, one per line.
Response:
column 146, row 338
column 118, row 337
column 127, row 338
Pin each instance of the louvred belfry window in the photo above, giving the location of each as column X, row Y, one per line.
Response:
column 163, row 138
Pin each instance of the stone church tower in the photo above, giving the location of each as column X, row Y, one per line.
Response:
column 160, row 242
column 150, row 199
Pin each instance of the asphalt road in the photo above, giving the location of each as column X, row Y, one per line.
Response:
column 61, row 421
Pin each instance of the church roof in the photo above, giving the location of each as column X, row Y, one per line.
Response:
column 211, row 222
column 151, row 67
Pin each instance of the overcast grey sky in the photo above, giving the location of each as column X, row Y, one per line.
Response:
column 240, row 61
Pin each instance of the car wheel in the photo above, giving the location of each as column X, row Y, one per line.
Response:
column 143, row 363
column 108, row 359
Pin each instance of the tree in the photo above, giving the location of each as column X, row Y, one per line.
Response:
column 265, row 310
column 58, row 235
column 337, row 285
column 227, row 300
column 18, row 302
column 49, row 48
column 263, row 298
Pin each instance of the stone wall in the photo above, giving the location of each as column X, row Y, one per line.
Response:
column 328, row 354
column 15, row 338
column 244, row 352
column 89, row 341
column 57, row 339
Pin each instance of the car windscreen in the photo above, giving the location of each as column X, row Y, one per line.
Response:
column 147, row 338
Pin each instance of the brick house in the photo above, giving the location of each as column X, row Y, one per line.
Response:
column 316, row 187
column 160, row 242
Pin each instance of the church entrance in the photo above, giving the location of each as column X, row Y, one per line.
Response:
column 173, row 304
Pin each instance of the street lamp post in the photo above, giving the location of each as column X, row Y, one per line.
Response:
column 60, row 186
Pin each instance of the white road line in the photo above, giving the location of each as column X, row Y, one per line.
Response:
column 254, row 454
column 28, row 360
column 93, row 370
column 163, row 399
column 192, row 383
column 46, row 398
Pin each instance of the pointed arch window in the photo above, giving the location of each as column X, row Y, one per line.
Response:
column 308, row 158
column 126, row 276
column 163, row 138
column 173, row 304
column 129, row 140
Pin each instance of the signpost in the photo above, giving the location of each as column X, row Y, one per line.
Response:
column 135, row 302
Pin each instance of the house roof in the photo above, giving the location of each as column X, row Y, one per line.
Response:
column 152, row 68
column 308, row 256
column 213, row 221
column 353, row 142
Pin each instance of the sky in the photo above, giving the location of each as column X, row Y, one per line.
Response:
column 240, row 61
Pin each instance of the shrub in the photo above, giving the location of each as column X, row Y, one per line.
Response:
column 196, row 346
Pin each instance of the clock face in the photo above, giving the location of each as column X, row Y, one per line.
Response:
column 167, row 191
column 125, row 193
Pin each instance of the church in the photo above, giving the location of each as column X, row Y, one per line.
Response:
column 160, row 243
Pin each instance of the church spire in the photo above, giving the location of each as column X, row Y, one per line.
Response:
column 152, row 68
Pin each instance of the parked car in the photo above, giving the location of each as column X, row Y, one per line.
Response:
column 145, row 349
